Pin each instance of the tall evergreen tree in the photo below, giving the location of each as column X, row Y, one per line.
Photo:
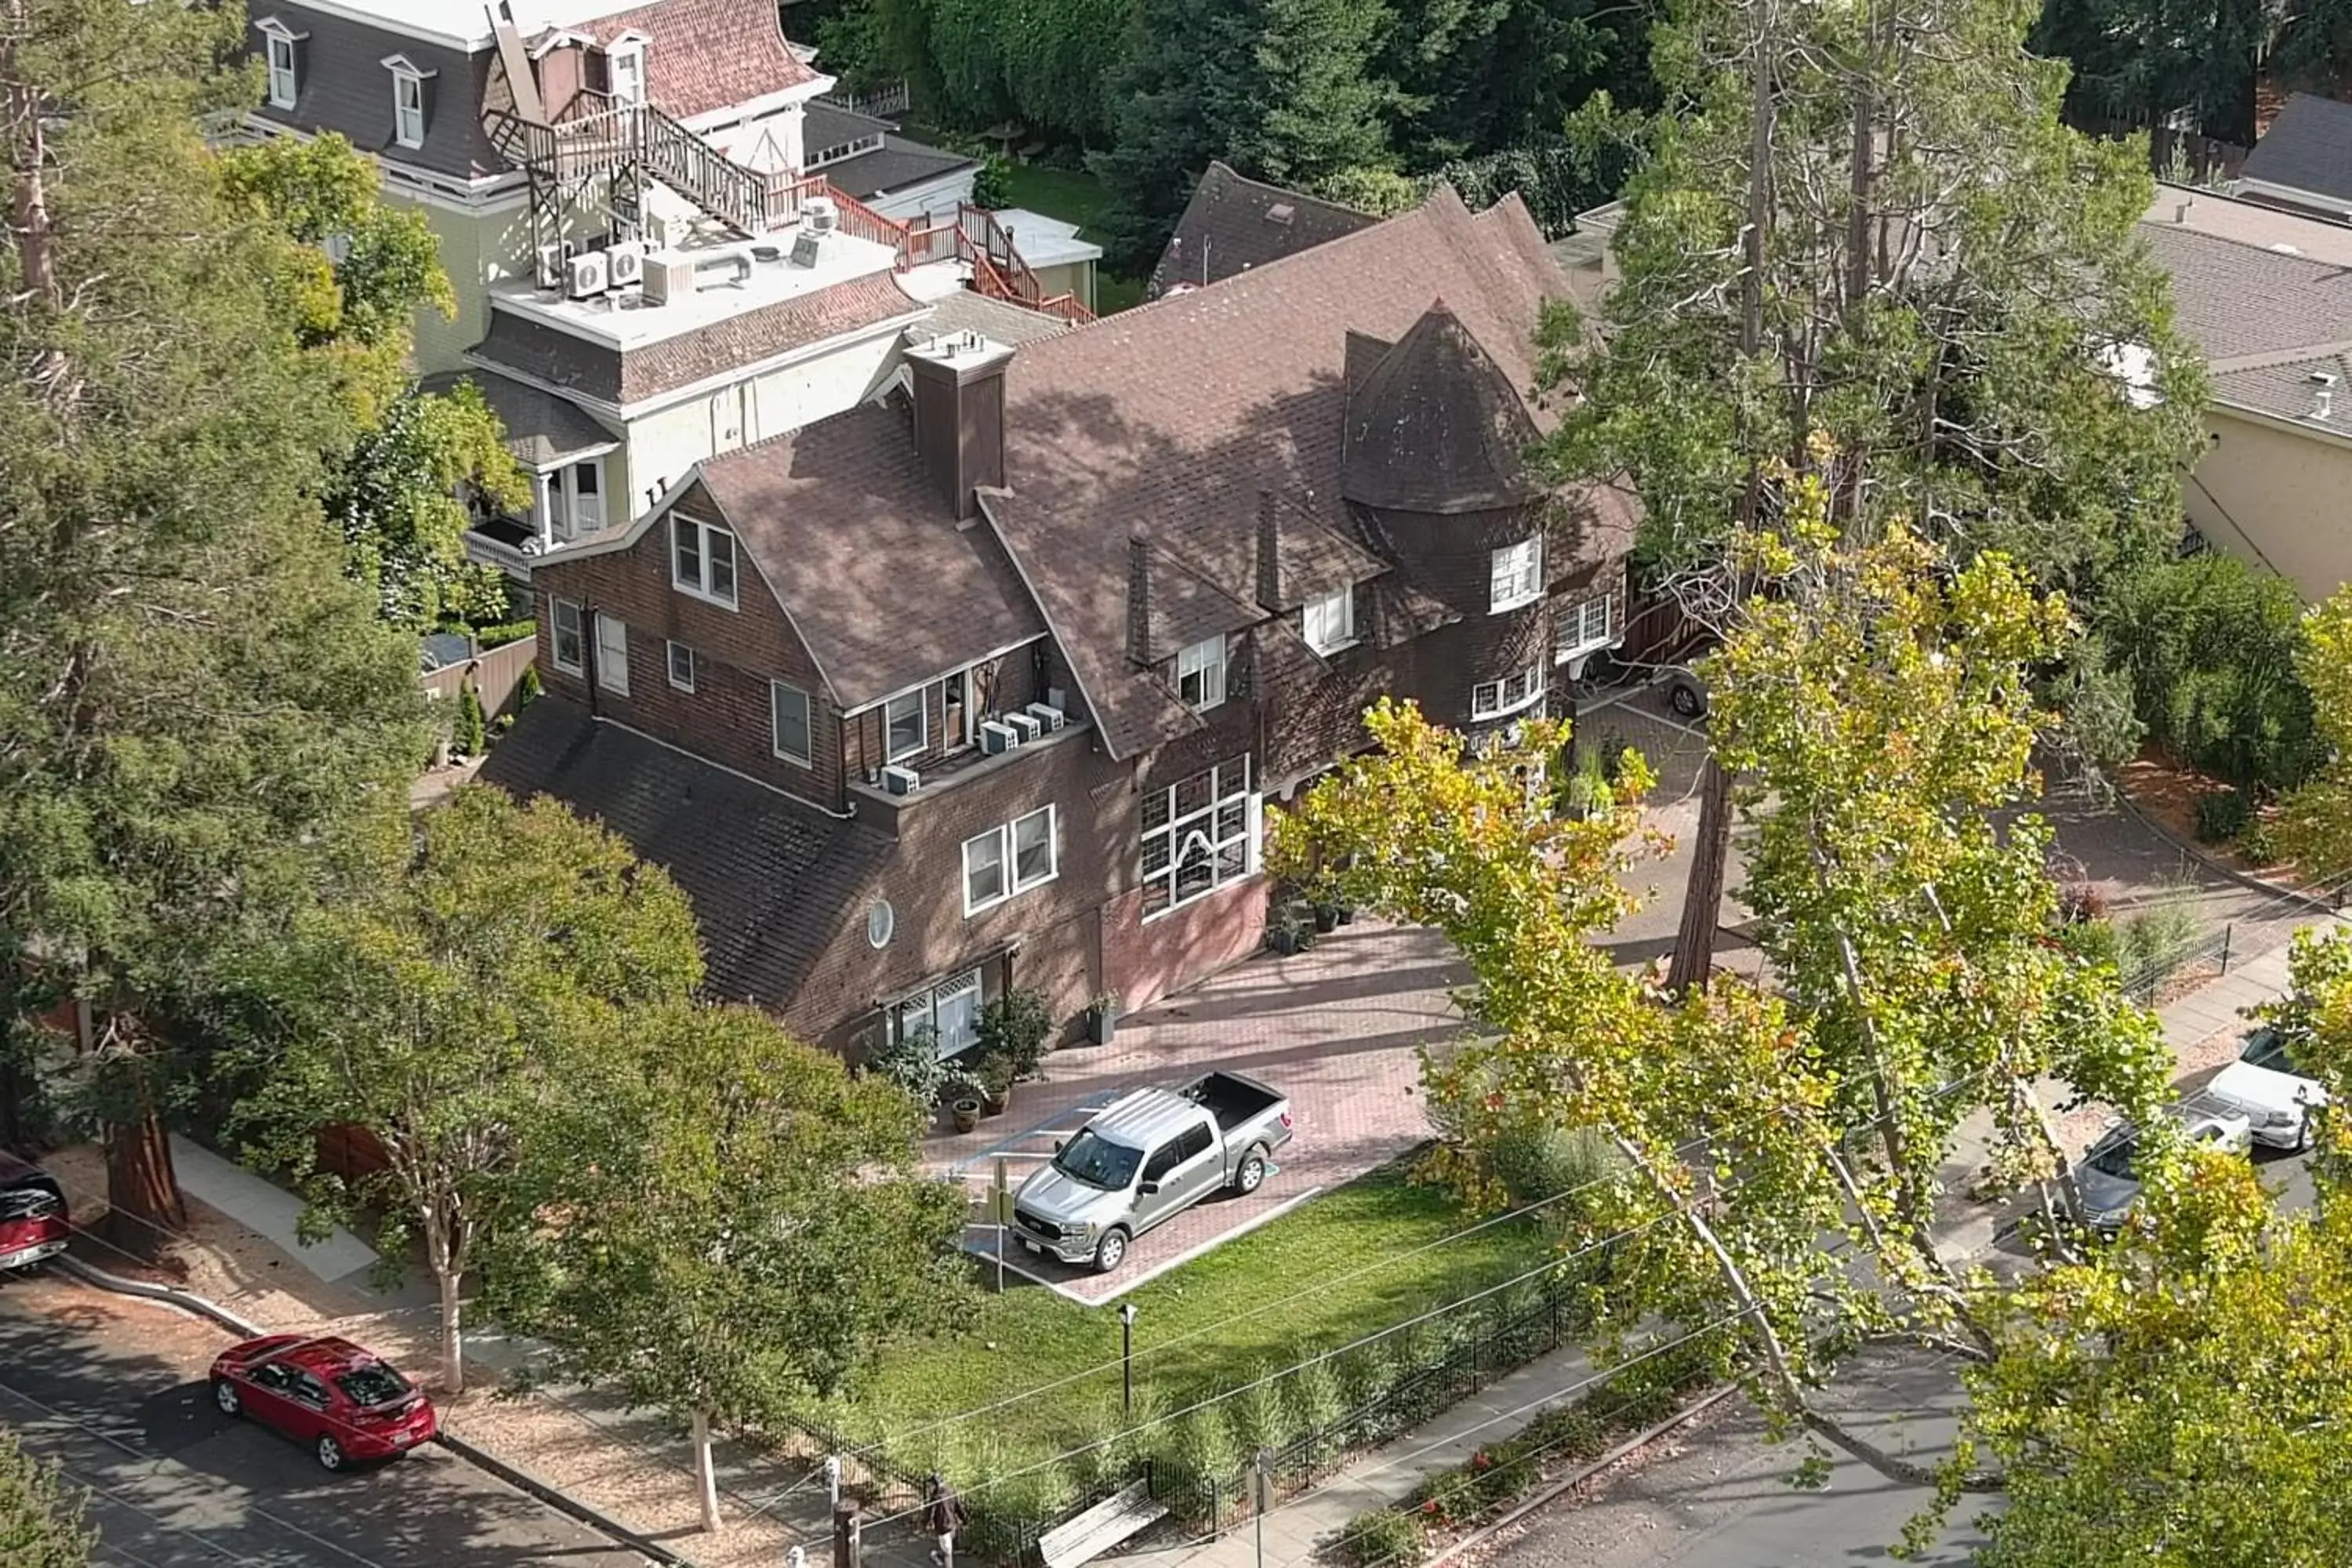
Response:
column 194, row 701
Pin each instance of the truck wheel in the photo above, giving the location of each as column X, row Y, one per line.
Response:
column 1250, row 1174
column 1110, row 1251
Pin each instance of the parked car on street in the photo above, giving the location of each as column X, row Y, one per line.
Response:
column 1146, row 1159
column 347, row 1404
column 2108, row 1179
column 34, row 1224
column 1686, row 694
column 2277, row 1096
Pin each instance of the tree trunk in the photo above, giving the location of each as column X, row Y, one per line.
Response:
column 28, row 202
column 453, row 1341
column 706, row 1478
column 142, row 1191
column 1694, row 958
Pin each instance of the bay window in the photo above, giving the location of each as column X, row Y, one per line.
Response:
column 1582, row 627
column 1494, row 699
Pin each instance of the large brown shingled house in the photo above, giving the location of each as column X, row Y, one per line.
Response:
column 984, row 685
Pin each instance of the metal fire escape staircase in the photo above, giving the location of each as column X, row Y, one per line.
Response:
column 596, row 149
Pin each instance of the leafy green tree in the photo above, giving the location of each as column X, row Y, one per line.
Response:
column 2315, row 821
column 1481, row 77
column 1869, row 249
column 2160, row 62
column 1324, row 109
column 195, row 708
column 40, row 1519
column 1880, row 703
column 398, row 498
column 736, row 1226
column 451, row 1003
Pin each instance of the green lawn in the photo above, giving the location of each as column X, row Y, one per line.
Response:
column 1318, row 1271
column 1074, row 196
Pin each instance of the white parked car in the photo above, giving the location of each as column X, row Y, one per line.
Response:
column 2276, row 1095
column 2108, row 1179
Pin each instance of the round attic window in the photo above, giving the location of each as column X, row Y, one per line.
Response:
column 881, row 921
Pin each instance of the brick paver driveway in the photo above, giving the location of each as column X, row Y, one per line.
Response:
column 1336, row 1028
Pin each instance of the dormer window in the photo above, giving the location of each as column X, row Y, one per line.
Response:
column 701, row 560
column 1517, row 575
column 1330, row 621
column 1200, row 673
column 280, row 44
column 408, row 80
column 625, row 68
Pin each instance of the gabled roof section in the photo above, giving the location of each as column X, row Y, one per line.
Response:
column 1434, row 427
column 705, row 55
column 2307, row 148
column 541, row 428
column 770, row 880
column 1233, row 225
column 865, row 557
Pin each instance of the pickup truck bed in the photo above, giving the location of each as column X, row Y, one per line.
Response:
column 1232, row 1098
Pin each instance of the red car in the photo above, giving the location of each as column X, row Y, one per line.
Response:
column 33, row 1221
column 350, row 1406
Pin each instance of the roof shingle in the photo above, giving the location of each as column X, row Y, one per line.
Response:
column 1233, row 225
column 2307, row 148
column 709, row 54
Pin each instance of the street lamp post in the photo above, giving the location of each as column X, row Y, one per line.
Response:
column 1126, row 1356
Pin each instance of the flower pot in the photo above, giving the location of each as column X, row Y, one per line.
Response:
column 1347, row 915
column 1327, row 919
column 995, row 1104
column 966, row 1113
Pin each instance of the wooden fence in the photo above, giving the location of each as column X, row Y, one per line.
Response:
column 495, row 673
column 2181, row 157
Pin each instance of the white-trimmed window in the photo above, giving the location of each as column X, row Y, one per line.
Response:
column 1200, row 673
column 280, row 43
column 681, row 666
column 1025, row 853
column 1583, row 627
column 1199, row 835
column 567, row 645
column 612, row 654
column 1330, row 621
column 906, row 725
column 950, row 1011
column 701, row 559
column 625, row 70
column 1494, row 699
column 407, row 100
column 1517, row 575
column 788, row 716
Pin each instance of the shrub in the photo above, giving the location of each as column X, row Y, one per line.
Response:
column 2222, row 815
column 1261, row 1418
column 2257, row 846
column 1008, row 1516
column 1364, row 1375
column 1381, row 1536
column 505, row 632
column 2081, row 901
column 1015, row 1025
column 1196, row 1462
column 472, row 736
column 990, row 186
column 527, row 691
column 1315, row 1402
column 1541, row 1165
column 2093, row 941
column 912, row 1062
column 2156, row 942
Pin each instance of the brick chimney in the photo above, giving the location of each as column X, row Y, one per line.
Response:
column 1138, row 599
column 957, row 386
column 1269, row 551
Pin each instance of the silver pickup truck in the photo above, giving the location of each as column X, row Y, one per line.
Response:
column 1146, row 1159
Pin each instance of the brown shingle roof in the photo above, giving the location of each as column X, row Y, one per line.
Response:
column 1173, row 415
column 709, row 54
column 1433, row 427
column 866, row 555
column 2263, row 317
column 573, row 364
column 1233, row 225
column 770, row 882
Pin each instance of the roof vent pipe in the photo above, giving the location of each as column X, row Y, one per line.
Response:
column 2323, row 395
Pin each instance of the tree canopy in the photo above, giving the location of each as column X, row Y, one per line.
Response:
column 40, row 1519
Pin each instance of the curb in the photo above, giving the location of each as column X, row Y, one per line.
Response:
column 521, row 1479
column 1551, row 1493
column 2218, row 867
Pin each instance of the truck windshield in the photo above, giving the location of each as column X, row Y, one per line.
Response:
column 1098, row 1162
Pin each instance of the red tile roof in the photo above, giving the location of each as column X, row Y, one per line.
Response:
column 709, row 54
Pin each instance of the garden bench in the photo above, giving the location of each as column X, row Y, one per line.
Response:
column 1087, row 1536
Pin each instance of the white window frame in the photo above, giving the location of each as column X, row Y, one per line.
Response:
column 1513, row 693
column 676, row 648
column 891, row 753
column 1053, row 848
column 630, row 47
column 923, row 1009
column 612, row 663
column 1329, row 620
column 777, row 691
column 705, row 582
column 1571, row 631
column 577, row 664
column 995, row 848
column 1225, row 832
column 285, row 79
column 572, row 510
column 1206, row 659
column 1516, row 577
column 407, row 81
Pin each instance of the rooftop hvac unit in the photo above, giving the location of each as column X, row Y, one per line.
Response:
column 1023, row 725
column 1049, row 718
column 897, row 780
column 668, row 279
column 995, row 738
column 551, row 267
column 586, row 274
column 821, row 215
column 625, row 264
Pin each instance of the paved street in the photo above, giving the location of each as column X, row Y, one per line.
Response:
column 114, row 1391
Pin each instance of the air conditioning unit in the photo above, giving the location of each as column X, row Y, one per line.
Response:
column 668, row 280
column 820, row 215
column 897, row 780
column 1024, row 725
column 625, row 264
column 1049, row 718
column 586, row 275
column 995, row 738
column 551, row 267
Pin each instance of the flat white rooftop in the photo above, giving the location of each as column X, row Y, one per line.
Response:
column 732, row 277
column 1046, row 241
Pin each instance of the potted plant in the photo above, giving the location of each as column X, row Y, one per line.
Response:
column 965, row 1109
column 1326, row 915
column 995, row 1075
column 1015, row 1026
column 1102, row 1017
column 1290, row 929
